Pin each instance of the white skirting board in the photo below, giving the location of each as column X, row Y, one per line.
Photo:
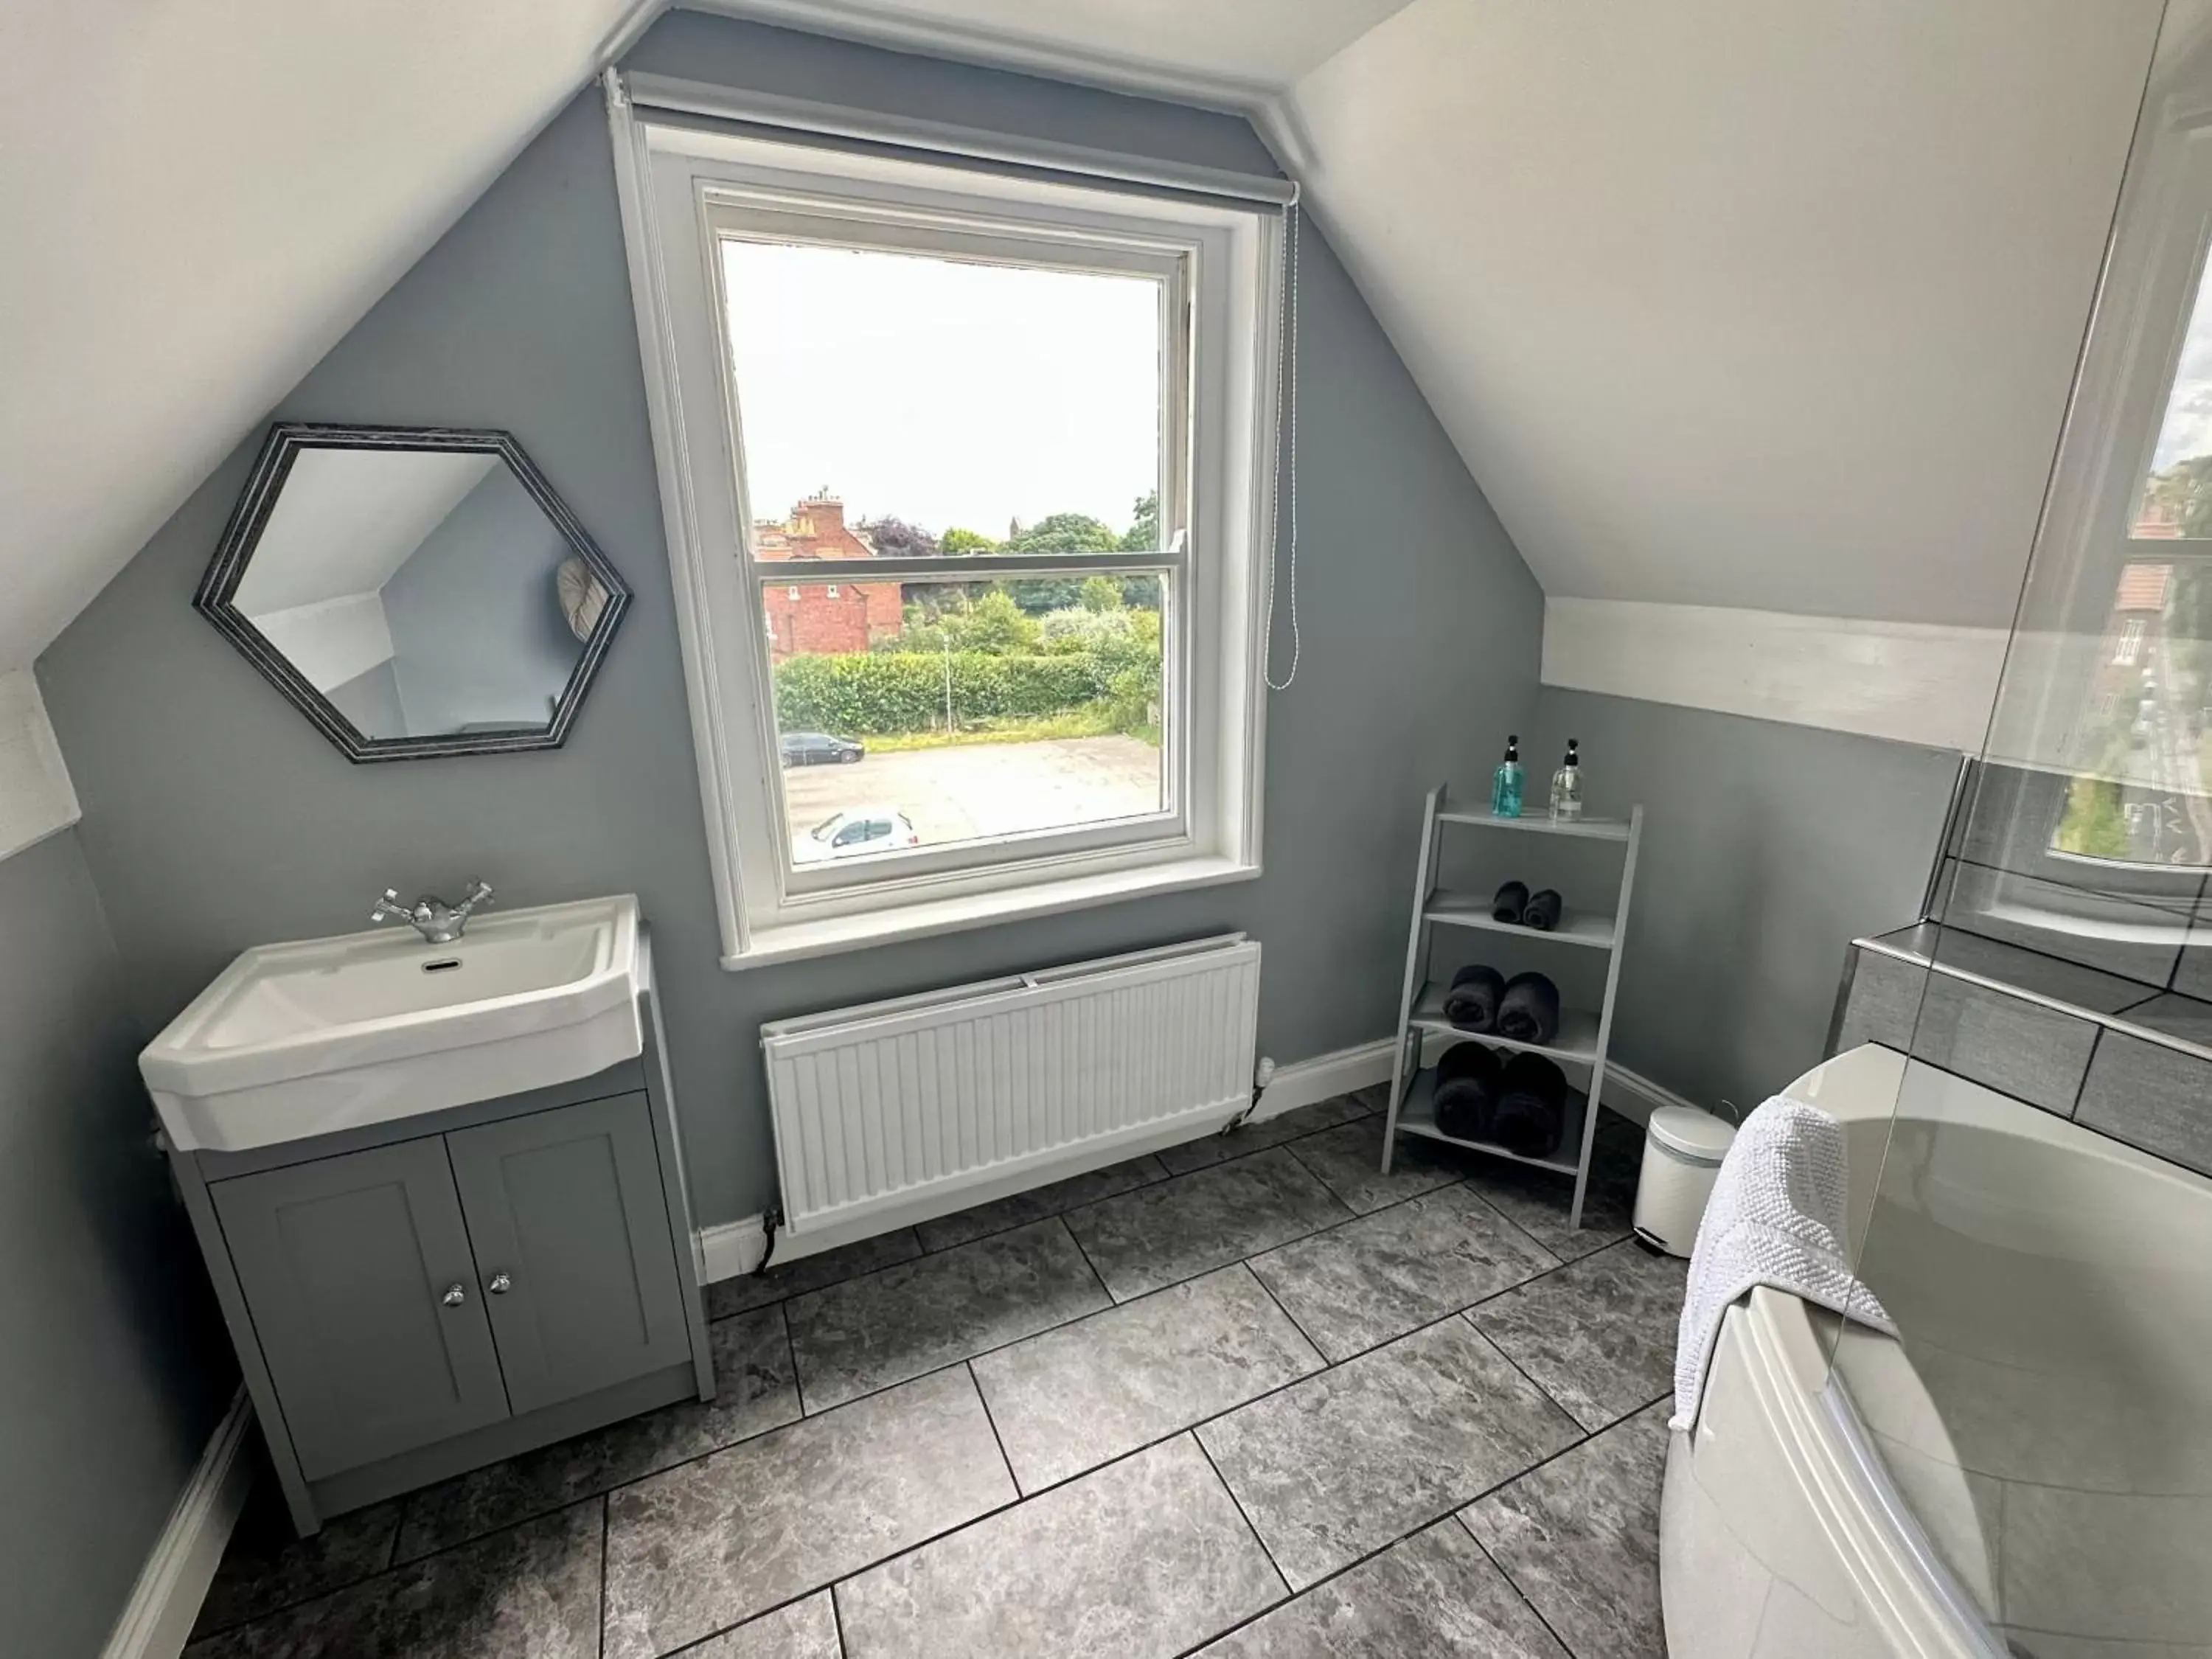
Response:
column 733, row 1248
column 174, row 1581
column 1304, row 1082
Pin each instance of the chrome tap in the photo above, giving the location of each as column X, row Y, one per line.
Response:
column 438, row 922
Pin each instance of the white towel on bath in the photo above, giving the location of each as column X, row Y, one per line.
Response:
column 1777, row 1217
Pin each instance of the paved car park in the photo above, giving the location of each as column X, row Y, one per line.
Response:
column 962, row 792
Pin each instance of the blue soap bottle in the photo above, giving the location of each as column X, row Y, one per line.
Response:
column 1505, row 782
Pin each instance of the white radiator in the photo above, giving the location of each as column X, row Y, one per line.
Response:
column 895, row 1112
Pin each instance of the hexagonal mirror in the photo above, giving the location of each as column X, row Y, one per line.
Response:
column 413, row 591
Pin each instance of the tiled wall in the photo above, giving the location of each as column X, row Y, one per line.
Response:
column 2114, row 1055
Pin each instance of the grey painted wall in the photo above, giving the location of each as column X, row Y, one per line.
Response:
column 478, row 634
column 116, row 1369
column 216, row 818
column 1767, row 849
column 370, row 701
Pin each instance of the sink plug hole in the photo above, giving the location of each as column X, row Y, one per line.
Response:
column 441, row 964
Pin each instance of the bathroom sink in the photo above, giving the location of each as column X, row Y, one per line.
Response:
column 302, row 1039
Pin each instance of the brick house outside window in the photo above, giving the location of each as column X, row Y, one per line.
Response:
column 819, row 617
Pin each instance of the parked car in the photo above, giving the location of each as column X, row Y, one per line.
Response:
column 818, row 749
column 854, row 830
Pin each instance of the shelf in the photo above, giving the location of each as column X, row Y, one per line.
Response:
column 1417, row 1116
column 1587, row 828
column 1576, row 1040
column 1457, row 909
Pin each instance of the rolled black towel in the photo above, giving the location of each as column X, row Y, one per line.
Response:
column 1529, row 1111
column 1471, row 1002
column 1512, row 899
column 1543, row 909
column 1528, row 1012
column 1467, row 1089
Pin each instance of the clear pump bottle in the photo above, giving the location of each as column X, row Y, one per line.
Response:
column 1505, row 783
column 1567, row 787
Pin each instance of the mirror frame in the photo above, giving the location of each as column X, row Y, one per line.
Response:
column 218, row 586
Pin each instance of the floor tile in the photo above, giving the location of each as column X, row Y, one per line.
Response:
column 1021, row 1208
column 1598, row 1335
column 1347, row 1460
column 1435, row 1596
column 805, row 1629
column 1142, row 1558
column 1209, row 1150
column 1073, row 1398
column 725, row 1297
column 707, row 1545
column 1537, row 1200
column 530, row 1593
column 1580, row 1538
column 871, row 1332
column 268, row 1565
column 1401, row 1268
column 1182, row 1228
column 1348, row 1159
column 753, row 1392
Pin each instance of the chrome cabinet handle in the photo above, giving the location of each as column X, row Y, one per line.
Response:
column 501, row 1285
column 454, row 1296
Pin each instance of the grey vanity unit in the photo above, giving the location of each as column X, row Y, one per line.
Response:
column 426, row 1295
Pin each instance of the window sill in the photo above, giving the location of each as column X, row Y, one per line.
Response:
column 828, row 936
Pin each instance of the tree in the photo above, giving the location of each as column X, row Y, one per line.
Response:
column 1099, row 593
column 1064, row 533
column 996, row 625
column 1057, row 532
column 1142, row 535
column 895, row 538
column 958, row 540
column 2185, row 489
column 992, row 625
column 2093, row 825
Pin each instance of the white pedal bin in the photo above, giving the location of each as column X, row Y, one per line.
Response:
column 1682, row 1153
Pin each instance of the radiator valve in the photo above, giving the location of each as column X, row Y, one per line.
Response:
column 1263, row 1073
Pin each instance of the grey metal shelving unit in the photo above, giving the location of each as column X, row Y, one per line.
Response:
column 1583, row 1032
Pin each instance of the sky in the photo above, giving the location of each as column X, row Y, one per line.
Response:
column 942, row 393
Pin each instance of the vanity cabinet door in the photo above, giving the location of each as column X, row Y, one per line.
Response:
column 357, row 1272
column 570, row 1226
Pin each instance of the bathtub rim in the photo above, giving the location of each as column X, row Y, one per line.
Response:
column 1821, row 1446
column 1827, row 1457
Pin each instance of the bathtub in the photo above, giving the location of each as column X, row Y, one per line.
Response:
column 2028, row 1471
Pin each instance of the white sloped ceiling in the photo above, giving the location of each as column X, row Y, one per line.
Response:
column 200, row 198
column 1738, row 304
column 1725, row 302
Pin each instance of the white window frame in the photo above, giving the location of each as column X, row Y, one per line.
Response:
column 685, row 184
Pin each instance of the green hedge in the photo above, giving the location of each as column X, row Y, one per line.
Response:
column 886, row 692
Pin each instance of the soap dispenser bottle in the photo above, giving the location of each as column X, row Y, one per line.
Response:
column 1567, row 787
column 1505, row 783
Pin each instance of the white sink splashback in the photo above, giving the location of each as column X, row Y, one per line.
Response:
column 302, row 1039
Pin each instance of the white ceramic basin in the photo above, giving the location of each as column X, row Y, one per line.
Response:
column 300, row 1039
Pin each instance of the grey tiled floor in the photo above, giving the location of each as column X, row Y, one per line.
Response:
column 1245, row 1397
